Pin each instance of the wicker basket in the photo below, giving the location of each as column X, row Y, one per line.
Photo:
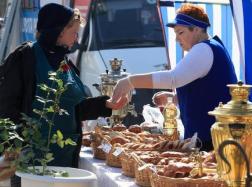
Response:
column 142, row 176
column 112, row 160
column 97, row 152
column 157, row 138
column 96, row 141
column 128, row 165
column 6, row 170
column 162, row 181
column 86, row 140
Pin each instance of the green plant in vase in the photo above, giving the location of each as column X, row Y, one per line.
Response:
column 26, row 140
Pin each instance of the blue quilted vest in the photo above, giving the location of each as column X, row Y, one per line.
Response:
column 199, row 97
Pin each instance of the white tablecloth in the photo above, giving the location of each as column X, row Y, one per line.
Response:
column 107, row 176
column 5, row 183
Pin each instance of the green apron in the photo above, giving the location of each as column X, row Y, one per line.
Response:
column 67, row 124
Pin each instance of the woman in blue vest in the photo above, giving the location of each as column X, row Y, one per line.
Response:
column 57, row 31
column 200, row 78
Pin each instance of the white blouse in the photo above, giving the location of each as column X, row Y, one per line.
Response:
column 196, row 64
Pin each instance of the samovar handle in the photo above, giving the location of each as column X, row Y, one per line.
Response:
column 222, row 156
column 97, row 86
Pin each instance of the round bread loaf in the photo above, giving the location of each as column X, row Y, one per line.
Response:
column 135, row 129
column 119, row 127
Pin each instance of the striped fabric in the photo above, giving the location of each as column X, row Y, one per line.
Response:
column 222, row 24
column 242, row 12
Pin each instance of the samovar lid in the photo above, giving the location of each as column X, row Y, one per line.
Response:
column 115, row 64
column 115, row 73
column 239, row 104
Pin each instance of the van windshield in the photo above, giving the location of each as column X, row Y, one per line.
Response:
column 127, row 24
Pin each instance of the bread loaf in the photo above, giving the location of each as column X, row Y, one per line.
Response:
column 118, row 139
column 135, row 129
column 178, row 169
column 119, row 127
column 173, row 154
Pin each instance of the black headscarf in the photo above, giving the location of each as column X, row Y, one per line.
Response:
column 52, row 19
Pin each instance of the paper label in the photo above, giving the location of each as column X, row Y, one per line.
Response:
column 118, row 151
column 153, row 168
column 106, row 147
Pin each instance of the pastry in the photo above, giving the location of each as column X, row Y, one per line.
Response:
column 135, row 129
column 118, row 139
column 119, row 127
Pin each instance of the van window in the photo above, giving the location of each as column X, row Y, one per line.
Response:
column 126, row 24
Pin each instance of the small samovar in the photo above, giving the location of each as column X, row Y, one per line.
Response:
column 233, row 122
column 108, row 82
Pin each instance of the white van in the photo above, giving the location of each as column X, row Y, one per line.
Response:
column 129, row 30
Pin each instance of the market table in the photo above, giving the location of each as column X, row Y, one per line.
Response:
column 107, row 176
column 5, row 183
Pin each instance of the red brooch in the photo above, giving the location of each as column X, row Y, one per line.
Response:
column 64, row 67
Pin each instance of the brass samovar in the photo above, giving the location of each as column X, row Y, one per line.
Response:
column 233, row 122
column 108, row 82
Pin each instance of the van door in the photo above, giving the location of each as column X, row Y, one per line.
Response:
column 129, row 30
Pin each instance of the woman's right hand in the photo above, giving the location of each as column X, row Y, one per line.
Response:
column 118, row 104
column 122, row 89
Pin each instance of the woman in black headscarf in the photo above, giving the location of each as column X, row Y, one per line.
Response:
column 57, row 31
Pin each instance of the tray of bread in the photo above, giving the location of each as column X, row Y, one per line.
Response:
column 154, row 159
column 186, row 171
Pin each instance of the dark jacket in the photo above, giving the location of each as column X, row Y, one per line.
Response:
column 18, row 84
column 18, row 88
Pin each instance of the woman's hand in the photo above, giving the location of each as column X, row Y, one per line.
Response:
column 160, row 98
column 118, row 104
column 122, row 89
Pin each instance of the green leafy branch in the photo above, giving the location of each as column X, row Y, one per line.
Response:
column 9, row 139
column 26, row 139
